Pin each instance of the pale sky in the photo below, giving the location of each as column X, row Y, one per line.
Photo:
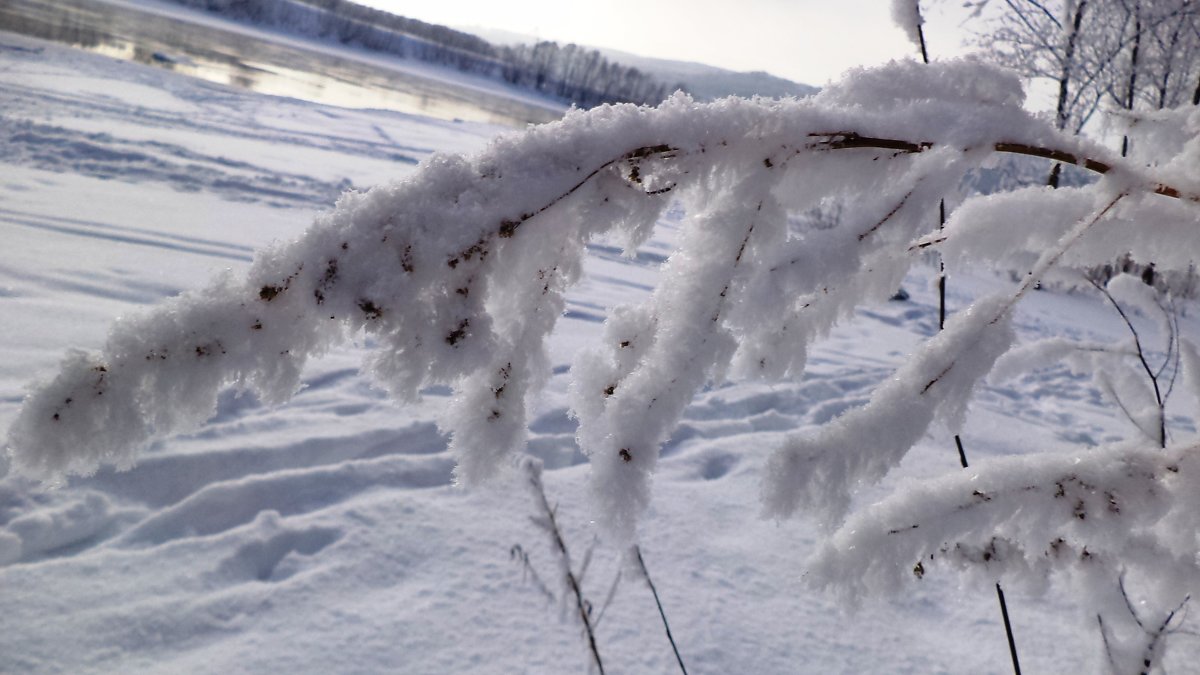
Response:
column 810, row 41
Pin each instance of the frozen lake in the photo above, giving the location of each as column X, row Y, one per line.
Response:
column 290, row 67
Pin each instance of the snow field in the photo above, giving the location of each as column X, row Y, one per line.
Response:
column 324, row 535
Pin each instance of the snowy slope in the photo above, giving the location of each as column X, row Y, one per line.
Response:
column 325, row 536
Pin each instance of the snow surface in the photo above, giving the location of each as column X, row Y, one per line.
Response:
column 324, row 536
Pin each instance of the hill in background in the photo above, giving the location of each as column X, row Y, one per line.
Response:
column 703, row 82
column 707, row 83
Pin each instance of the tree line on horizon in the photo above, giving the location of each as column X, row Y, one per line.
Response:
column 574, row 74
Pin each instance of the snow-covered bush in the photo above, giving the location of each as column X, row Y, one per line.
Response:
column 458, row 273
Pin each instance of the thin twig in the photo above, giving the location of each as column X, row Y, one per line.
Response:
column 921, row 36
column 637, row 550
column 508, row 227
column 1008, row 631
column 1112, row 391
column 1171, row 326
column 1178, row 351
column 895, row 209
column 1107, row 646
column 535, row 481
column 1141, row 355
column 843, row 140
column 1048, row 260
column 519, row 553
column 587, row 562
column 1163, row 629
column 1129, row 603
column 612, row 593
column 942, row 272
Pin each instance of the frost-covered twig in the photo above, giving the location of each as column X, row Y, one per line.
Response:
column 1108, row 650
column 1174, row 360
column 1051, row 257
column 518, row 553
column 820, row 471
column 1024, row 518
column 608, row 598
column 1153, row 376
column 1139, row 391
column 1148, row 644
column 550, row 525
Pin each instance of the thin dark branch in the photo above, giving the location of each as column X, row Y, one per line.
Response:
column 1042, row 8
column 1008, row 631
column 844, row 140
column 926, row 243
column 849, row 140
column 1167, row 311
column 1157, row 635
column 937, row 378
column 1033, row 30
column 1107, row 647
column 895, row 209
column 1129, row 603
column 612, row 593
column 519, row 553
column 637, row 550
column 508, row 227
column 941, row 269
column 1137, row 342
column 1056, row 155
column 1182, row 606
column 1125, row 409
column 572, row 582
column 921, row 36
column 1141, row 355
column 1174, row 315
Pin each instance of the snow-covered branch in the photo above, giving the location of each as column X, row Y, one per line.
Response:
column 1089, row 515
column 459, row 272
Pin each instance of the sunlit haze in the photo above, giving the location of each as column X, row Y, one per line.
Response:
column 808, row 41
